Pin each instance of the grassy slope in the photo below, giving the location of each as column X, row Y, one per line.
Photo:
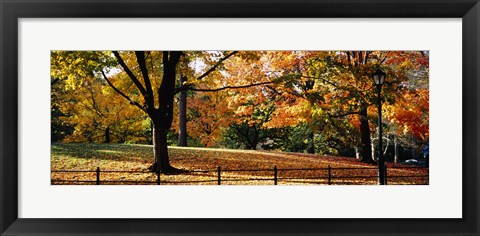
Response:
column 138, row 157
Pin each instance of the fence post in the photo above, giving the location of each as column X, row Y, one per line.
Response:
column 98, row 175
column 385, row 171
column 275, row 175
column 218, row 173
column 158, row 177
column 329, row 172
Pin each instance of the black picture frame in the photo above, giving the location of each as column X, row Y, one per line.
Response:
column 11, row 11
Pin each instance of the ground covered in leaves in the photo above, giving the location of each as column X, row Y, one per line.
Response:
column 128, row 164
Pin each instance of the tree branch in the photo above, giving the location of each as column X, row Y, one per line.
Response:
column 183, row 87
column 121, row 93
column 91, row 109
column 213, row 68
column 165, row 56
column 143, row 67
column 273, row 89
column 344, row 114
column 188, row 86
column 130, row 74
column 348, row 58
column 230, row 87
column 94, row 104
column 383, row 60
column 367, row 54
column 54, row 81
column 322, row 79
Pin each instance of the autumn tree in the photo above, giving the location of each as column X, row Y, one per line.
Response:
column 347, row 77
column 97, row 114
column 59, row 128
column 339, row 83
column 409, row 119
column 326, row 95
column 80, row 101
column 208, row 114
column 210, row 106
column 250, row 127
column 152, row 76
column 292, row 67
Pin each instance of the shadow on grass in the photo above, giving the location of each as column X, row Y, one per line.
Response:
column 117, row 152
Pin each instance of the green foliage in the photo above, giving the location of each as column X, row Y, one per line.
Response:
column 59, row 129
column 296, row 139
column 251, row 132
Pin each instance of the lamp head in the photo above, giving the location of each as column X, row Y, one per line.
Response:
column 379, row 77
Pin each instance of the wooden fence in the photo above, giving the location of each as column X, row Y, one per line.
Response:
column 216, row 176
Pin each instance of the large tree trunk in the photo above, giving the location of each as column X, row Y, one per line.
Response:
column 366, row 148
column 160, row 150
column 163, row 116
column 182, row 107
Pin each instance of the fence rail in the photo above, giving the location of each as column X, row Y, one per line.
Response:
column 218, row 178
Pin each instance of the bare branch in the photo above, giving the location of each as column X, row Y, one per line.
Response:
column 94, row 104
column 130, row 74
column 274, row 90
column 189, row 86
column 121, row 93
column 216, row 65
column 230, row 87
column 367, row 54
column 383, row 60
column 143, row 67
column 184, row 87
column 344, row 114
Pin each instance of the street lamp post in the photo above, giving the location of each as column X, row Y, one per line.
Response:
column 379, row 78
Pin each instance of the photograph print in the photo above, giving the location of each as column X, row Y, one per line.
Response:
column 239, row 117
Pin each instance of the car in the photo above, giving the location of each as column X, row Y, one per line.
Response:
column 411, row 162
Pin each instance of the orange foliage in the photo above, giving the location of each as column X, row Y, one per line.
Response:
column 410, row 115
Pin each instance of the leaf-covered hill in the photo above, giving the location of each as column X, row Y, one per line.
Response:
column 130, row 157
